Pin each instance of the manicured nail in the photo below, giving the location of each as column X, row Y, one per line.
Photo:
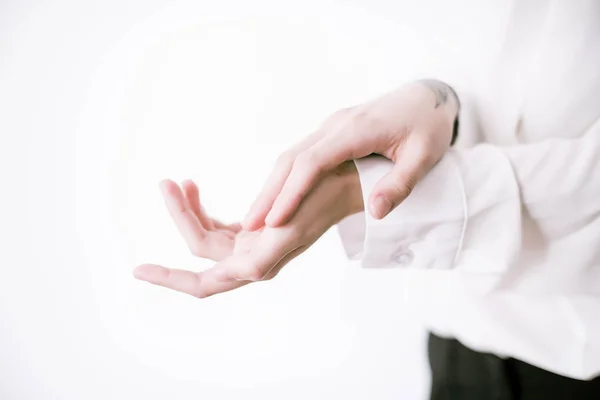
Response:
column 380, row 206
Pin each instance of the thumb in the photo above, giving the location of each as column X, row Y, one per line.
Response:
column 257, row 263
column 412, row 161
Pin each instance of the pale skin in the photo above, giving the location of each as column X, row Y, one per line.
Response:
column 312, row 187
column 245, row 256
column 412, row 126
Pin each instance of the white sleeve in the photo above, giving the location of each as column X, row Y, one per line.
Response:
column 493, row 210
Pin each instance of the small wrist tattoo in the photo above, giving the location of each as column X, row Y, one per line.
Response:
column 441, row 92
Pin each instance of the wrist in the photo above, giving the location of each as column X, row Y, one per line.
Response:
column 445, row 96
column 336, row 197
column 446, row 103
column 351, row 197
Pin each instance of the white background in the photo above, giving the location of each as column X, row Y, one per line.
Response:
column 101, row 100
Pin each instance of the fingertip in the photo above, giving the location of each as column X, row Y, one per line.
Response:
column 140, row 272
column 380, row 206
column 188, row 184
column 247, row 221
column 274, row 219
column 255, row 218
column 166, row 186
column 165, row 182
column 137, row 273
column 374, row 212
column 189, row 189
column 147, row 272
column 250, row 223
column 270, row 221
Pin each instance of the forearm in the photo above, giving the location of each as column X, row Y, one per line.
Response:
column 352, row 199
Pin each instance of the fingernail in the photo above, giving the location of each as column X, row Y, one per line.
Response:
column 380, row 206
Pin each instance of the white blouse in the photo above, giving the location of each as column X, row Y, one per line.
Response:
column 501, row 240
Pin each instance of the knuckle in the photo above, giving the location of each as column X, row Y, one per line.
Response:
column 405, row 185
column 286, row 158
column 361, row 116
column 339, row 114
column 305, row 159
column 309, row 162
column 366, row 120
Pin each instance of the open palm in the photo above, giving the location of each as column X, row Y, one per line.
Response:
column 206, row 237
column 209, row 238
column 244, row 256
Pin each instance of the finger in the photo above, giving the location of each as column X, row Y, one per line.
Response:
column 192, row 196
column 186, row 221
column 347, row 139
column 308, row 168
column 262, row 205
column 201, row 285
column 274, row 183
column 412, row 160
column 254, row 265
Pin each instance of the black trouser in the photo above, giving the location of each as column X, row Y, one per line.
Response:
column 458, row 372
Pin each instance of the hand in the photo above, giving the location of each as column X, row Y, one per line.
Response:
column 205, row 237
column 245, row 256
column 412, row 126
